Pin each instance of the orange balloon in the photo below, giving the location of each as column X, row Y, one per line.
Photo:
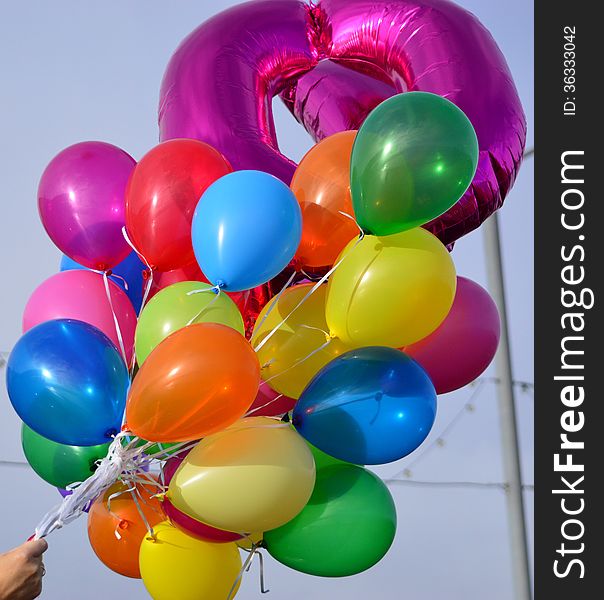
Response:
column 108, row 519
column 197, row 381
column 321, row 184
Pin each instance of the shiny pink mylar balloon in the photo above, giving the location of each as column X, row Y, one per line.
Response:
column 81, row 295
column 332, row 62
column 186, row 523
column 464, row 344
column 81, row 199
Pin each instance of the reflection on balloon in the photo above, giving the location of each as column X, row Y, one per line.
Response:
column 208, row 370
column 60, row 464
column 464, row 344
column 116, row 527
column 67, row 381
column 301, row 346
column 390, row 291
column 347, row 526
column 259, row 459
column 321, row 184
column 161, row 197
column 369, row 406
column 246, row 229
column 81, row 203
column 175, row 565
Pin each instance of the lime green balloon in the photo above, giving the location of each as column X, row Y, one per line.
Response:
column 59, row 464
column 175, row 307
column 413, row 158
column 347, row 526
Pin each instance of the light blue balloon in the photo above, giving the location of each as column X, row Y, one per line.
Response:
column 369, row 406
column 68, row 382
column 130, row 269
column 246, row 229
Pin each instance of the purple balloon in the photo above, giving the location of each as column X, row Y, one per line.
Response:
column 82, row 204
column 333, row 62
column 464, row 344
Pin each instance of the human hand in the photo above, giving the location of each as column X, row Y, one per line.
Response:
column 21, row 571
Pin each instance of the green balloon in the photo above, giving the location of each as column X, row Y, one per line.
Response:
column 59, row 464
column 413, row 158
column 174, row 308
column 322, row 459
column 347, row 526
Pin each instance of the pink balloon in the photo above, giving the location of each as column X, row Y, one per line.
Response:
column 81, row 199
column 81, row 295
column 464, row 345
column 186, row 523
column 269, row 403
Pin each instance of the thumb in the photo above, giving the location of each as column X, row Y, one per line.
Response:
column 35, row 548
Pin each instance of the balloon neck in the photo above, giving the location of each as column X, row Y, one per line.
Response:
column 220, row 285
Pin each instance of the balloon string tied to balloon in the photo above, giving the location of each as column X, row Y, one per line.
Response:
column 314, row 288
column 255, row 551
column 276, row 300
column 120, row 458
column 299, row 362
column 251, row 412
column 147, row 290
column 118, row 329
column 216, row 289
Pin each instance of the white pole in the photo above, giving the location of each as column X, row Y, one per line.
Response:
column 507, row 418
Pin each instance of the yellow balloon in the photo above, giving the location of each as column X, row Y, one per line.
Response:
column 301, row 335
column 175, row 565
column 253, row 476
column 390, row 290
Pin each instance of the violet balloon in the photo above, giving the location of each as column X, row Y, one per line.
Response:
column 333, row 61
column 82, row 204
column 464, row 344
column 82, row 295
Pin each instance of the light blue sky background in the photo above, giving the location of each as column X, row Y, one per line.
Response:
column 72, row 71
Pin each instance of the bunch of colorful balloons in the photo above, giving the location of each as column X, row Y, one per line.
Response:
column 223, row 352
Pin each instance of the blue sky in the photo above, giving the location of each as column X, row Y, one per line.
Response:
column 74, row 71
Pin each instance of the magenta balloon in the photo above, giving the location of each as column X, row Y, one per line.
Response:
column 81, row 295
column 183, row 521
column 332, row 62
column 81, row 203
column 464, row 344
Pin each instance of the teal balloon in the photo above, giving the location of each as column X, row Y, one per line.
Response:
column 347, row 526
column 60, row 464
column 413, row 159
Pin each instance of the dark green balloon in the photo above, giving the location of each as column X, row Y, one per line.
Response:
column 59, row 464
column 413, row 158
column 347, row 526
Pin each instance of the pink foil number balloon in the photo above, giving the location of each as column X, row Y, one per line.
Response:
column 81, row 199
column 332, row 62
column 464, row 344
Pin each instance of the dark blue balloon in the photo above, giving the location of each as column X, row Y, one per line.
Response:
column 68, row 382
column 130, row 269
column 246, row 229
column 369, row 406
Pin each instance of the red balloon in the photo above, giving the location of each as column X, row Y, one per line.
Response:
column 184, row 522
column 162, row 194
column 464, row 344
column 269, row 403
